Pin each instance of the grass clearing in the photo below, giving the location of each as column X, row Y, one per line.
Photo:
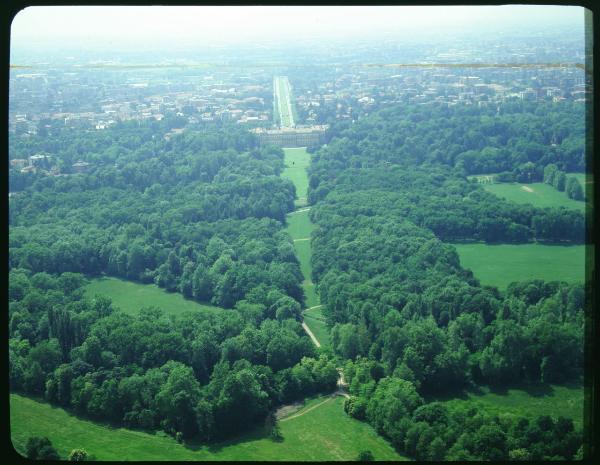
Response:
column 324, row 433
column 130, row 296
column 316, row 322
column 282, row 91
column 531, row 401
column 499, row 265
column 296, row 161
column 303, row 253
column 538, row 194
column 299, row 225
column 310, row 293
column 300, row 228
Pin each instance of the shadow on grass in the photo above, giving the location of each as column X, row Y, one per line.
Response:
column 498, row 390
column 458, row 393
column 538, row 389
column 534, row 389
column 215, row 447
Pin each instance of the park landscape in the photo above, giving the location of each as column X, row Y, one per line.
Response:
column 414, row 286
column 328, row 423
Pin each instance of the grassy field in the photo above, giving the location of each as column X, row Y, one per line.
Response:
column 324, row 433
column 499, row 265
column 542, row 399
column 538, row 194
column 316, row 322
column 296, row 161
column 310, row 292
column 130, row 296
column 281, row 89
column 300, row 227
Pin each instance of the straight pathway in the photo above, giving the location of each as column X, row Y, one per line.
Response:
column 310, row 334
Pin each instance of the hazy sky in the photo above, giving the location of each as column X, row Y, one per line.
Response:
column 155, row 25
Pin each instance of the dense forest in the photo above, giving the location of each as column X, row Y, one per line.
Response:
column 200, row 214
column 387, row 191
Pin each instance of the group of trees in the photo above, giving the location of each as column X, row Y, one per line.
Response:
column 395, row 293
column 40, row 448
column 559, row 180
column 194, row 216
column 436, row 431
column 201, row 214
column 401, row 309
column 210, row 374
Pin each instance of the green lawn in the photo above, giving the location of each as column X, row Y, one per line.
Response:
column 310, row 293
column 538, row 194
column 282, row 91
column 316, row 322
column 499, row 265
column 303, row 253
column 541, row 399
column 296, row 161
column 299, row 225
column 324, row 433
column 130, row 296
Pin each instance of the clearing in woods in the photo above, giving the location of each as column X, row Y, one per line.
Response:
column 300, row 228
column 500, row 264
column 537, row 194
column 296, row 161
column 324, row 433
column 282, row 91
column 130, row 296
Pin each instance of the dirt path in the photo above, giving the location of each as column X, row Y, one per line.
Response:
column 342, row 385
column 312, row 308
column 307, row 410
column 527, row 189
column 310, row 333
column 305, row 209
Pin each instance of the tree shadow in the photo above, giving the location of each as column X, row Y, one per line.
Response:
column 538, row 389
column 215, row 447
column 499, row 390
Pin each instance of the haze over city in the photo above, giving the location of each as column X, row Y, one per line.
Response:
column 127, row 27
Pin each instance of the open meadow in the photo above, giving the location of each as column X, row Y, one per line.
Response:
column 323, row 433
column 130, row 296
column 498, row 265
column 284, row 102
column 300, row 228
column 537, row 194
column 296, row 161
